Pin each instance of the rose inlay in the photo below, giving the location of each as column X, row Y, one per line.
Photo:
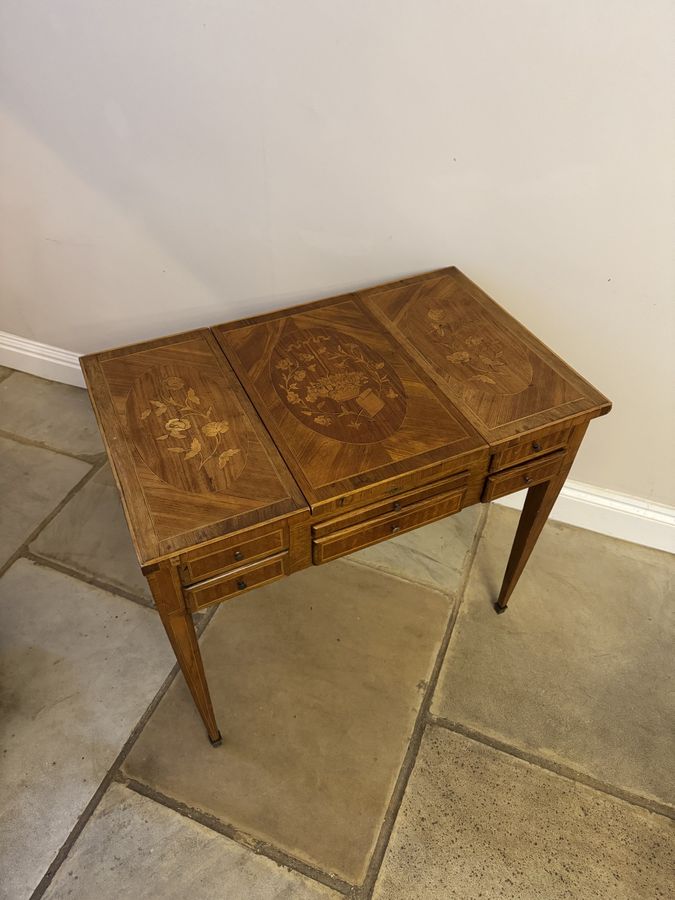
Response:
column 188, row 430
column 473, row 349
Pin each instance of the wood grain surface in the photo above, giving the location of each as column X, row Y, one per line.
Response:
column 344, row 403
column 191, row 458
column 504, row 380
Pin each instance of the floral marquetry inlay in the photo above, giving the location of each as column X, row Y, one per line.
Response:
column 337, row 386
column 473, row 348
column 187, row 429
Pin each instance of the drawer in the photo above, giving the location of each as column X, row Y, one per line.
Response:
column 527, row 449
column 522, row 476
column 390, row 505
column 232, row 553
column 224, row 587
column 366, row 533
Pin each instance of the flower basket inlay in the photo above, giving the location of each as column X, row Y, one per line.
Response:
column 337, row 386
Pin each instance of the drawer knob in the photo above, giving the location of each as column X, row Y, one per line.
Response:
column 241, row 584
column 396, row 506
column 238, row 555
column 536, row 445
column 395, row 528
column 527, row 479
column 341, row 501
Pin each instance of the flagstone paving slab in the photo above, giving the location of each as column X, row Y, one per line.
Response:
column 134, row 847
column 581, row 668
column 91, row 536
column 32, row 484
column 316, row 682
column 78, row 667
column 435, row 555
column 477, row 823
column 56, row 415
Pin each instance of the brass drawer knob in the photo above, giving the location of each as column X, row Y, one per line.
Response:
column 241, row 584
column 536, row 446
column 396, row 506
column 527, row 479
column 395, row 528
column 238, row 555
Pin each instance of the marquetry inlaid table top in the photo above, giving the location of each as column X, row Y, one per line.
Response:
column 255, row 448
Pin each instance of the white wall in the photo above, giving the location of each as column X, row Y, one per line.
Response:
column 169, row 164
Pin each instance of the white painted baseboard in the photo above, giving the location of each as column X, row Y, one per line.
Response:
column 40, row 359
column 598, row 509
column 608, row 512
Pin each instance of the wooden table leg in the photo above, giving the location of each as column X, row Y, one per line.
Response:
column 538, row 504
column 177, row 620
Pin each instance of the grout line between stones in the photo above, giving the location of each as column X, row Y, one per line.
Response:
column 387, row 574
column 109, row 776
column 91, row 458
column 93, row 580
column 366, row 889
column 564, row 771
column 22, row 550
column 197, row 617
column 260, row 847
column 89, row 809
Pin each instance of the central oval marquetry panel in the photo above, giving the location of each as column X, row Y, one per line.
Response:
column 337, row 385
column 189, row 430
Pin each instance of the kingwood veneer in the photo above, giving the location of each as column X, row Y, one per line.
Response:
column 259, row 447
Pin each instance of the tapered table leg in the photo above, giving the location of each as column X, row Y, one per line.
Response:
column 177, row 620
column 538, row 504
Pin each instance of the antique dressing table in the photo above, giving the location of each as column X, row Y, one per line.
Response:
column 253, row 449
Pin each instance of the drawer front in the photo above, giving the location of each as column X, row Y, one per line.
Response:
column 391, row 505
column 366, row 533
column 528, row 449
column 233, row 553
column 522, row 476
column 215, row 590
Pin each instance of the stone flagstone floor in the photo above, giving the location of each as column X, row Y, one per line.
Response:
column 386, row 734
